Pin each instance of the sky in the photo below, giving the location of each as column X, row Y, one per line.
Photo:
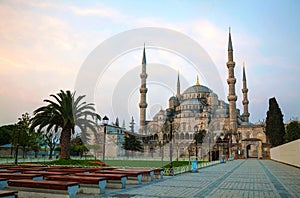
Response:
column 44, row 46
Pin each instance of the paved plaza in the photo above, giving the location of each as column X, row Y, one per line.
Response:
column 239, row 178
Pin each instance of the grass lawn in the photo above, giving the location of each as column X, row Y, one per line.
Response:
column 118, row 163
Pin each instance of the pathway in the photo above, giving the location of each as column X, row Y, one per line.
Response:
column 239, row 178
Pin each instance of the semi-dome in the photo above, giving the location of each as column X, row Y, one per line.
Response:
column 197, row 89
column 191, row 102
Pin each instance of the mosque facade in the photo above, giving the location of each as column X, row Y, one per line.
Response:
column 221, row 129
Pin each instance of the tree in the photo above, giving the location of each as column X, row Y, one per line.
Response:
column 199, row 136
column 292, row 131
column 274, row 124
column 50, row 139
column 132, row 143
column 66, row 112
column 78, row 147
column 26, row 137
column 6, row 134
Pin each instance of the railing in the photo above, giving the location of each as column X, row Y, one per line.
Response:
column 24, row 160
column 184, row 169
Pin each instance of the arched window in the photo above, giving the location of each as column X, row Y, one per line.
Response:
column 187, row 136
column 182, row 136
column 191, row 136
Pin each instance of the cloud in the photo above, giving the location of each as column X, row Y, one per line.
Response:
column 43, row 44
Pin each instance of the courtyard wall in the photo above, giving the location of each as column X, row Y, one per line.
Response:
column 287, row 153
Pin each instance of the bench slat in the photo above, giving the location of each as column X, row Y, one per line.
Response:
column 56, row 185
column 21, row 176
column 5, row 193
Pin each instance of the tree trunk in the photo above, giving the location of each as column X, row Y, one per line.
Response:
column 23, row 154
column 65, row 144
column 51, row 151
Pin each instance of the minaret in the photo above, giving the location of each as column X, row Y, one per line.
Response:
column 246, row 113
column 178, row 87
column 231, row 85
column 143, row 92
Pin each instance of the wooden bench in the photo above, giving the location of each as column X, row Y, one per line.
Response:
column 93, row 169
column 68, row 170
column 45, row 189
column 44, row 173
column 5, row 166
column 21, row 176
column 8, row 194
column 9, row 171
column 22, row 169
column 157, row 173
column 132, row 176
column 112, row 179
column 94, row 185
column 148, row 174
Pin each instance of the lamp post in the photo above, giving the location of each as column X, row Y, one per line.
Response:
column 18, row 142
column 196, row 131
column 209, row 146
column 104, row 122
column 170, row 116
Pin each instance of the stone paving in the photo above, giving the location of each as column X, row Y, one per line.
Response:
column 239, row 178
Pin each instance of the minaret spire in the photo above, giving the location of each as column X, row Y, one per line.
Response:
column 245, row 101
column 143, row 92
column 178, row 86
column 230, row 42
column 144, row 56
column 197, row 81
column 231, row 80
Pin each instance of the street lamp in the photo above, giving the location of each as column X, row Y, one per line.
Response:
column 196, row 131
column 17, row 147
column 104, row 122
column 170, row 117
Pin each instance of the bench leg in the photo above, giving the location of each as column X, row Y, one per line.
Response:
column 123, row 182
column 72, row 190
column 152, row 175
column 139, row 177
column 102, row 185
column 3, row 184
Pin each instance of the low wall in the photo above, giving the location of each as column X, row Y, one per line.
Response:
column 287, row 153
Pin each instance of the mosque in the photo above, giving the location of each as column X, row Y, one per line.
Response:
column 198, row 112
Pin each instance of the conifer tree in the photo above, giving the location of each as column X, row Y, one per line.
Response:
column 274, row 124
column 292, row 131
column 132, row 143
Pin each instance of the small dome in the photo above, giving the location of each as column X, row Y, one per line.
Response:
column 197, row 89
column 173, row 98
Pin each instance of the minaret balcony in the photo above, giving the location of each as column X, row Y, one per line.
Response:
column 232, row 98
column 143, row 90
column 231, row 81
column 245, row 90
column 143, row 105
column 230, row 64
column 245, row 102
column 143, row 75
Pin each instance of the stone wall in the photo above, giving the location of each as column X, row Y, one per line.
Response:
column 287, row 153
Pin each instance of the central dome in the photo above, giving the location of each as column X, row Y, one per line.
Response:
column 197, row 89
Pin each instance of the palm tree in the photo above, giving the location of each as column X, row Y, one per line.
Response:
column 64, row 114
